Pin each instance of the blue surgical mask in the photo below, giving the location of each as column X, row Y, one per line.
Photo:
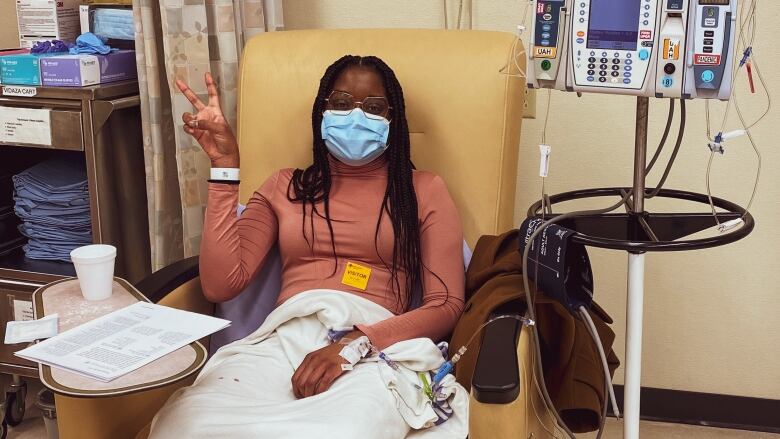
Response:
column 114, row 23
column 355, row 139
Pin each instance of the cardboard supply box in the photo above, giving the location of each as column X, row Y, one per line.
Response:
column 84, row 70
column 47, row 20
column 20, row 69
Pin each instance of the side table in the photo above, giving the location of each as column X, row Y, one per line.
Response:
column 137, row 396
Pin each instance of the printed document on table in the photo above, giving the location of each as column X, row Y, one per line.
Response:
column 123, row 341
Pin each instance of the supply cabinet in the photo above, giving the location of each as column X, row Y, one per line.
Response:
column 100, row 125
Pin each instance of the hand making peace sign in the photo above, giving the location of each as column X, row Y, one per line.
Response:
column 209, row 127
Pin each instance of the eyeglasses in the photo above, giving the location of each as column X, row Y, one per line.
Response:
column 342, row 103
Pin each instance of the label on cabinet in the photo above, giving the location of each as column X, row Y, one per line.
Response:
column 20, row 90
column 25, row 125
column 23, row 310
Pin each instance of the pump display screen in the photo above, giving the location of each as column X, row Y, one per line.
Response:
column 614, row 24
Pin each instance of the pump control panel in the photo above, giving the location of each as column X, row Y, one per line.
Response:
column 654, row 48
column 670, row 68
column 548, row 45
column 711, row 58
column 612, row 45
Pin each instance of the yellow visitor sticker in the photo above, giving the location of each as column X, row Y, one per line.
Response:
column 356, row 275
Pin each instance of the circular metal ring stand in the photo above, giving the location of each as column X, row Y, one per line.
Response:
column 637, row 231
column 650, row 232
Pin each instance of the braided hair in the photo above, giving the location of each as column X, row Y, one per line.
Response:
column 312, row 185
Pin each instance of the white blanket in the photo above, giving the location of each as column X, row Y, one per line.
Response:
column 245, row 390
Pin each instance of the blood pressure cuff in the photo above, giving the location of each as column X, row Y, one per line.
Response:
column 560, row 267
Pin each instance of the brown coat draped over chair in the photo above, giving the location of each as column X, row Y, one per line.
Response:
column 572, row 367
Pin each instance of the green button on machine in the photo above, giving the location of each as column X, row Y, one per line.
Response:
column 546, row 64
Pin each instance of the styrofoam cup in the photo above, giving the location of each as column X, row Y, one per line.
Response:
column 95, row 270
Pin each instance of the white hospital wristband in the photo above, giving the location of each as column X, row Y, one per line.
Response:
column 228, row 174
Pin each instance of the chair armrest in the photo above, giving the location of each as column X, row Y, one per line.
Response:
column 160, row 283
column 497, row 373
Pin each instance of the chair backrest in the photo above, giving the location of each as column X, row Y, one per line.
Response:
column 464, row 115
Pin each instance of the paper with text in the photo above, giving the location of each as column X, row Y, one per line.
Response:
column 123, row 341
column 25, row 125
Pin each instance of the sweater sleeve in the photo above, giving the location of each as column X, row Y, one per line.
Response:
column 441, row 244
column 233, row 249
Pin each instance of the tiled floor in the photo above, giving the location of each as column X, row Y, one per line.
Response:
column 658, row 430
column 33, row 427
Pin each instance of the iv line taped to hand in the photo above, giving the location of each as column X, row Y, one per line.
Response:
column 355, row 351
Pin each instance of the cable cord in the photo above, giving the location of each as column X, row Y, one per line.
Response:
column 530, row 301
column 597, row 341
column 744, row 46
column 737, row 66
column 471, row 14
column 525, row 321
column 460, row 12
column 762, row 81
column 535, row 380
column 528, row 323
column 446, row 19
column 609, row 390
column 506, row 69
column 665, row 136
column 534, row 408
column 758, row 156
column 747, row 127
column 740, row 45
column 547, row 207
column 675, row 151
column 546, row 116
column 749, row 21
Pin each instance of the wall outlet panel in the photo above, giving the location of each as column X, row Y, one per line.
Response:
column 529, row 106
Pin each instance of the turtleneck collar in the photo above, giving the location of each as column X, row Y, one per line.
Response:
column 375, row 167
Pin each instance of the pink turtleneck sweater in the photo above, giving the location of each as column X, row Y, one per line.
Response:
column 233, row 249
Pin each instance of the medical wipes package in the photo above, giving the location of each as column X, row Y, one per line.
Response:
column 83, row 70
column 30, row 330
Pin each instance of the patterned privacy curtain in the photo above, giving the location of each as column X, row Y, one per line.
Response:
column 183, row 39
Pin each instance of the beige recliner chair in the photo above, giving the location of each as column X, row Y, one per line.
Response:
column 464, row 119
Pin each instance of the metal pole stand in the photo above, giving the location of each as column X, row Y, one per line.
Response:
column 636, row 284
column 637, row 232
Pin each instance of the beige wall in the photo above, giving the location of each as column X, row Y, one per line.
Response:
column 711, row 320
column 9, row 32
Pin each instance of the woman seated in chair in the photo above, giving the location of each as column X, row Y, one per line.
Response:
column 360, row 220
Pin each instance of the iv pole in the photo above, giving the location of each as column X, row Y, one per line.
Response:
column 636, row 285
column 639, row 231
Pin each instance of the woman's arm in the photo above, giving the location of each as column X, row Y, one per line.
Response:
column 233, row 249
column 441, row 244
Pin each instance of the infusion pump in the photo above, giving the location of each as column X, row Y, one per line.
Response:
column 654, row 48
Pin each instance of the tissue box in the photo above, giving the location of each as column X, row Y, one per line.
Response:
column 47, row 20
column 21, row 69
column 84, row 70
